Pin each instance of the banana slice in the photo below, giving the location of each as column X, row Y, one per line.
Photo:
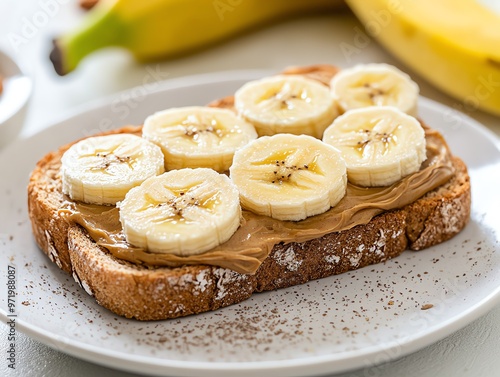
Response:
column 183, row 212
column 102, row 169
column 380, row 145
column 375, row 85
column 198, row 136
column 289, row 177
column 286, row 104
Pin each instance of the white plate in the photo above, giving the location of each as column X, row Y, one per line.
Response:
column 358, row 319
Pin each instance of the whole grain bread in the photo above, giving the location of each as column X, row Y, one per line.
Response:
column 146, row 293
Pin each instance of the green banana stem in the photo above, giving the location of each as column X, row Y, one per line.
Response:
column 99, row 29
column 153, row 29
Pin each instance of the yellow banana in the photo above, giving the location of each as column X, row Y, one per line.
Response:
column 153, row 29
column 452, row 43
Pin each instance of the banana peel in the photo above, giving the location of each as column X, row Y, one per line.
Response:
column 154, row 29
column 454, row 44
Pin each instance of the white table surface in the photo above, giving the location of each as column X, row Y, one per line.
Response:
column 473, row 351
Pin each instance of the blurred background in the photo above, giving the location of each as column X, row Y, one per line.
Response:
column 318, row 34
column 323, row 33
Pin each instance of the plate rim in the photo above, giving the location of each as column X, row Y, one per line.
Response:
column 288, row 367
column 168, row 84
column 137, row 363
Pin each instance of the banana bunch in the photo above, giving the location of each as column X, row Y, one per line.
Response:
column 451, row 43
column 154, row 29
column 216, row 164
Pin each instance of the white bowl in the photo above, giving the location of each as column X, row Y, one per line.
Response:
column 17, row 88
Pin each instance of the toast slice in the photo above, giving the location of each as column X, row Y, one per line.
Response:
column 149, row 293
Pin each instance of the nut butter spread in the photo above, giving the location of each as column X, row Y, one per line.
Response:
column 256, row 236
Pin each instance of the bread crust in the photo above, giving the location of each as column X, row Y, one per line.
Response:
column 160, row 293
